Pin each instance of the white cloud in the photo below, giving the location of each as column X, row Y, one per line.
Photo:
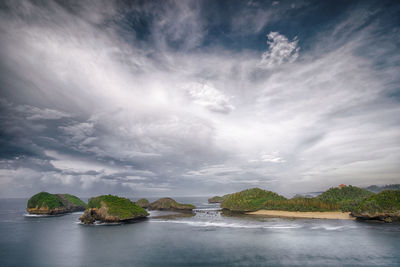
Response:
column 280, row 50
column 208, row 96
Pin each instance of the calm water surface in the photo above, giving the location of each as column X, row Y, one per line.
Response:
column 206, row 239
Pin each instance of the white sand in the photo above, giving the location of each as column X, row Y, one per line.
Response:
column 307, row 215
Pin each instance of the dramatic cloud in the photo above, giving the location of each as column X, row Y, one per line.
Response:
column 171, row 98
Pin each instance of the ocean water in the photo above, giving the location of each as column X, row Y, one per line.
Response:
column 205, row 239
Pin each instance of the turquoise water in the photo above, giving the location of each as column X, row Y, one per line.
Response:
column 206, row 239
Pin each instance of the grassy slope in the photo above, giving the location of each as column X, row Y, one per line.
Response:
column 118, row 206
column 301, row 204
column 74, row 200
column 249, row 200
column 44, row 199
column 387, row 201
column 347, row 197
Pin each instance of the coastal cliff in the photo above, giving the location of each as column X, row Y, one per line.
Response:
column 168, row 204
column 45, row 203
column 111, row 209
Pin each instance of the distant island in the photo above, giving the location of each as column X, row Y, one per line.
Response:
column 168, row 204
column 379, row 188
column 45, row 203
column 343, row 202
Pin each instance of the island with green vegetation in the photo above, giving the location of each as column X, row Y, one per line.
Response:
column 168, row 204
column 143, row 202
column 112, row 209
column 45, row 203
column 343, row 202
column 384, row 206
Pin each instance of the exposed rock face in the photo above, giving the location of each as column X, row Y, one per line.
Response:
column 111, row 209
column 385, row 217
column 169, row 204
column 144, row 203
column 53, row 204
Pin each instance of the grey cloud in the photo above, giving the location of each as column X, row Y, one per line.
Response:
column 87, row 110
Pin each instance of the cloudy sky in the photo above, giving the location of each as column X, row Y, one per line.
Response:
column 172, row 98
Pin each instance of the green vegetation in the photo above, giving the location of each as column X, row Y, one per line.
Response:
column 117, row 206
column 44, row 199
column 250, row 200
column 387, row 201
column 74, row 200
column 334, row 199
column 346, row 197
column 170, row 204
column 301, row 204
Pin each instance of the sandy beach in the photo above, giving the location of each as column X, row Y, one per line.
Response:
column 305, row 215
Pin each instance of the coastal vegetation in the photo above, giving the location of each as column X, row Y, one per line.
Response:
column 249, row 200
column 361, row 203
column 170, row 205
column 346, row 197
column 382, row 206
column 51, row 204
column 334, row 199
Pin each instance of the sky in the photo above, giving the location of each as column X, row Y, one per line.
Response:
column 198, row 98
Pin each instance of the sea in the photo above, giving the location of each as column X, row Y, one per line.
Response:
column 206, row 238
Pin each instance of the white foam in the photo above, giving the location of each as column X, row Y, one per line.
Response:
column 228, row 225
column 330, row 228
column 97, row 223
column 38, row 215
column 207, row 209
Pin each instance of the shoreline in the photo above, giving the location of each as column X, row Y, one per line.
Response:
column 333, row 215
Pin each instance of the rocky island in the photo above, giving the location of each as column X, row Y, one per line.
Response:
column 168, row 204
column 45, row 203
column 384, row 206
column 112, row 209
column 143, row 202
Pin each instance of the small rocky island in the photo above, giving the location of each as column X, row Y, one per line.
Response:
column 143, row 202
column 217, row 199
column 45, row 203
column 168, row 204
column 112, row 209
